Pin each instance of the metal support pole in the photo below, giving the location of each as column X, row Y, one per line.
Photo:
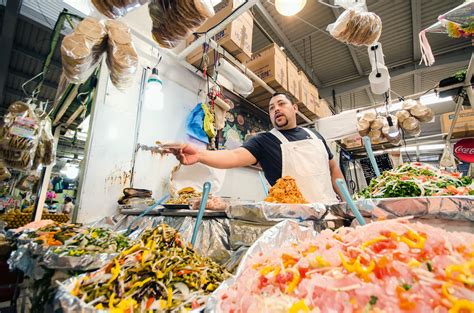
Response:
column 45, row 180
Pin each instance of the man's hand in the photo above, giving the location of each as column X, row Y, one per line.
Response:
column 186, row 155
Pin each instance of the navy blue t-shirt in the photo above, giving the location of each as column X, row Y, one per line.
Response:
column 265, row 147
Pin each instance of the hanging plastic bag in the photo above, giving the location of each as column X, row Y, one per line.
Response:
column 195, row 124
column 447, row 161
column 355, row 25
column 20, row 136
column 122, row 58
column 115, row 9
column 174, row 20
column 208, row 122
column 4, row 172
column 82, row 50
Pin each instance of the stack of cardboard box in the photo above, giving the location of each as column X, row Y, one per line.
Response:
column 236, row 38
column 464, row 125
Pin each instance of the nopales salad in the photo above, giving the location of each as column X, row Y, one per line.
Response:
column 417, row 180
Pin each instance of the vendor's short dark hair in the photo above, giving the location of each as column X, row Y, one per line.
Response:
column 287, row 95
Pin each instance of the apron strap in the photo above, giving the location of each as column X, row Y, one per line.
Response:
column 275, row 132
column 312, row 134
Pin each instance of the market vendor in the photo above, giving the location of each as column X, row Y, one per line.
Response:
column 286, row 150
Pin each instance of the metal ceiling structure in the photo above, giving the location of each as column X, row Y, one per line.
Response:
column 345, row 68
column 332, row 66
column 23, row 52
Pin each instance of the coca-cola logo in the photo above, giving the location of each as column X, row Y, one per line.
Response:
column 464, row 150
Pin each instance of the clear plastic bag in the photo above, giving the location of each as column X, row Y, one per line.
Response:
column 173, row 20
column 357, row 27
column 117, row 8
column 422, row 113
column 122, row 58
column 20, row 136
column 4, row 172
column 45, row 153
column 82, row 50
column 402, row 115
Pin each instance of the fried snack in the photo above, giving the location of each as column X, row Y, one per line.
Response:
column 285, row 190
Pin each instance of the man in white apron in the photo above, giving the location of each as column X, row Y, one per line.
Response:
column 287, row 150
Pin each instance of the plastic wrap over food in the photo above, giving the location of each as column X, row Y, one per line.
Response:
column 274, row 212
column 212, row 239
column 357, row 27
column 82, row 49
column 245, row 233
column 25, row 259
column 286, row 232
column 122, row 58
column 451, row 213
column 84, row 262
column 174, row 20
column 116, row 8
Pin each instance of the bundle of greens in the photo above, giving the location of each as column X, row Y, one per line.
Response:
column 417, row 180
column 94, row 240
column 159, row 273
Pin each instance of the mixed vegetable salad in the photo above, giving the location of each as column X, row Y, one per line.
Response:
column 94, row 240
column 387, row 266
column 416, row 180
column 159, row 273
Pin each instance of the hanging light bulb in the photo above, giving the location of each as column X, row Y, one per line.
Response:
column 153, row 92
column 289, row 7
column 393, row 131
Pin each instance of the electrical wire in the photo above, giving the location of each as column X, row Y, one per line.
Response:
column 405, row 144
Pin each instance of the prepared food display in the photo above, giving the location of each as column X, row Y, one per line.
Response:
column 174, row 20
column 386, row 266
column 285, row 190
column 52, row 235
column 418, row 180
column 133, row 197
column 82, row 49
column 92, row 241
column 159, row 273
column 184, row 195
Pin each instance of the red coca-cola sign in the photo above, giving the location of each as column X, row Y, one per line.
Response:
column 464, row 150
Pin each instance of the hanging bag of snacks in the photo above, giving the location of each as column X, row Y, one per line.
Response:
column 20, row 136
column 82, row 50
column 174, row 20
column 122, row 58
column 356, row 26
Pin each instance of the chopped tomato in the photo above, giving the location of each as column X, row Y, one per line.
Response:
column 383, row 245
column 284, row 277
column 397, row 255
column 224, row 296
column 195, row 305
column 149, row 302
column 262, row 281
column 404, row 178
column 303, row 271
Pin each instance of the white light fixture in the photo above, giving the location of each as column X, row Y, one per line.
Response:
column 153, row 92
column 393, row 131
column 289, row 7
column 71, row 171
column 433, row 98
